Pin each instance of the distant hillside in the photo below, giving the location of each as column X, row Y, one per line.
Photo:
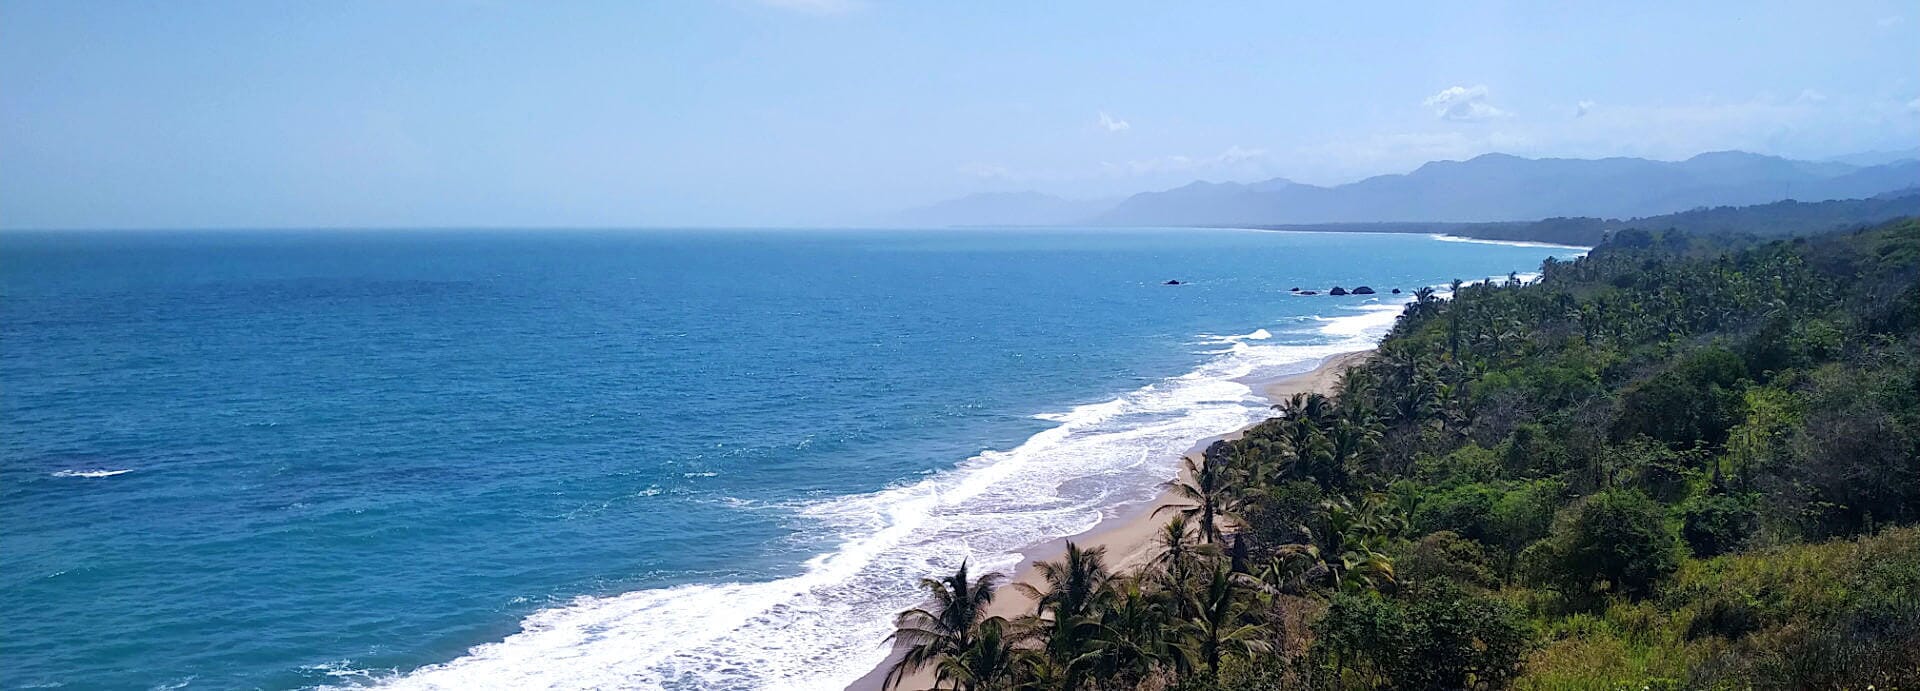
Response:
column 1761, row 220
column 1498, row 187
column 1875, row 158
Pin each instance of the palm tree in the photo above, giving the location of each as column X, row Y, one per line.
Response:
column 1063, row 613
column 1357, row 536
column 1219, row 625
column 1179, row 549
column 1264, row 457
column 1334, row 448
column 1311, row 406
column 1416, row 399
column 1290, row 567
column 1130, row 640
column 1074, row 583
column 988, row 663
column 945, row 629
column 1357, row 389
column 1205, row 487
column 1453, row 322
column 1452, row 407
column 1424, row 303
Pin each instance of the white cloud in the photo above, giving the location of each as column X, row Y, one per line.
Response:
column 1581, row 109
column 814, row 6
column 1464, row 103
column 1890, row 22
column 1112, row 125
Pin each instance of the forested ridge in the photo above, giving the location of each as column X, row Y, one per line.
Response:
column 1680, row 461
column 1787, row 217
column 1778, row 219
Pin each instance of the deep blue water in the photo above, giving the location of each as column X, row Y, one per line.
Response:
column 653, row 458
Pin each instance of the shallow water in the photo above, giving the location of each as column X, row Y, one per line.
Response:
column 571, row 459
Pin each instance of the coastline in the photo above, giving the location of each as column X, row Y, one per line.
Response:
column 1129, row 535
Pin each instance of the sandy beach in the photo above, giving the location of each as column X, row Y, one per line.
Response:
column 1128, row 537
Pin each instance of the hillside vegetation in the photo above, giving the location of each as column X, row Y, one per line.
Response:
column 1738, row 223
column 1677, row 462
column 1765, row 220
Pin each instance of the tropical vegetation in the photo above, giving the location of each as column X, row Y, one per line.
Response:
column 1681, row 461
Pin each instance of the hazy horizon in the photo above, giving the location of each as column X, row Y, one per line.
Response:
column 837, row 112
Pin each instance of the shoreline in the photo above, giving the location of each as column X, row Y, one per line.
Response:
column 1128, row 535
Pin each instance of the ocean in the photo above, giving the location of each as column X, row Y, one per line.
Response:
column 657, row 459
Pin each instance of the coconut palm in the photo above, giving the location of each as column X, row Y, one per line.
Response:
column 1219, row 625
column 1356, row 540
column 946, row 628
column 1073, row 584
column 1204, row 487
column 989, row 662
column 1064, row 615
column 1130, row 640
column 1358, row 387
column 1180, row 551
column 1311, row 406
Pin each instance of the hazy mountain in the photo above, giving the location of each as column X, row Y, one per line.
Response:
column 1878, row 158
column 1493, row 187
column 1500, row 187
column 1002, row 209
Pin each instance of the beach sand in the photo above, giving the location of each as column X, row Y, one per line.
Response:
column 1130, row 536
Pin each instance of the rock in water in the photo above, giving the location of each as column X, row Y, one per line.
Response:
column 1309, row 292
column 1396, row 291
column 1363, row 290
column 1172, row 282
column 1337, row 290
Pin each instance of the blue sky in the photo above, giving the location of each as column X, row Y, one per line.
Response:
column 744, row 112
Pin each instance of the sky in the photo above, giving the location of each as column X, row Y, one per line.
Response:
column 262, row 113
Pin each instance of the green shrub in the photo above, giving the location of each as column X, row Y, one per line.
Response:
column 1438, row 636
column 1694, row 403
column 1717, row 524
column 1615, row 542
column 1466, row 510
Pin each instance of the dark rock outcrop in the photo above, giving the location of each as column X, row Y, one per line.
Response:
column 1337, row 290
column 1309, row 292
column 1363, row 290
column 1294, row 289
column 1396, row 291
column 1172, row 282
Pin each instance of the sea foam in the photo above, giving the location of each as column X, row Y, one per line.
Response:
column 828, row 626
column 1510, row 243
column 96, row 473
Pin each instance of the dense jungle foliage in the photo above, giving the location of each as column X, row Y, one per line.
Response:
column 1678, row 462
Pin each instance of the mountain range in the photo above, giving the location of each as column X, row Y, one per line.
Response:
column 1492, row 187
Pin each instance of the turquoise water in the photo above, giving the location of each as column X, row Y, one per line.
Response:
column 648, row 459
